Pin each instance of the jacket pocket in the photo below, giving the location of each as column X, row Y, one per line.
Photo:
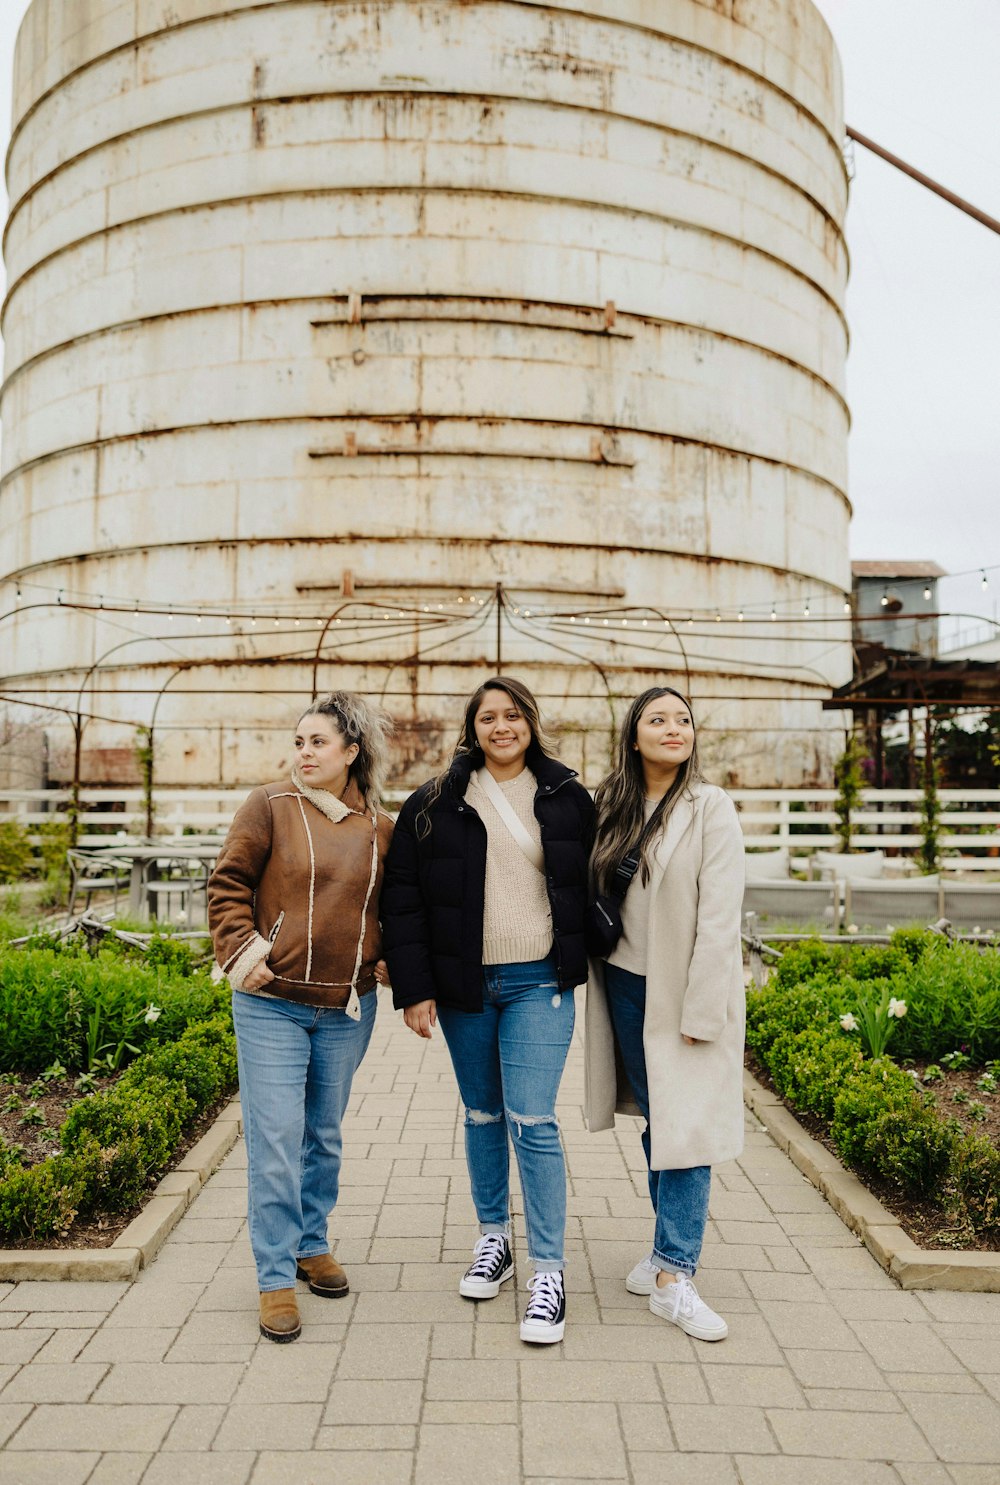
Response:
column 274, row 931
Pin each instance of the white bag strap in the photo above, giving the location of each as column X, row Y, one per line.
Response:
column 502, row 805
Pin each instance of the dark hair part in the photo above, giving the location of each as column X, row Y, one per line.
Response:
column 467, row 746
column 359, row 721
column 621, row 797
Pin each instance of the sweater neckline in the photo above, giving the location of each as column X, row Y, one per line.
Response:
column 324, row 800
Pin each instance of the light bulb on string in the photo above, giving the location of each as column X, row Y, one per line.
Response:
column 884, row 600
column 805, row 610
column 927, row 591
column 740, row 616
column 774, row 613
column 986, row 582
column 718, row 618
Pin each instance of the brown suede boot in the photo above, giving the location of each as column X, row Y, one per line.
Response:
column 279, row 1315
column 323, row 1274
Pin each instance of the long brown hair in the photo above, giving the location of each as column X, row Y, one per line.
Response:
column 621, row 797
column 467, row 746
column 359, row 721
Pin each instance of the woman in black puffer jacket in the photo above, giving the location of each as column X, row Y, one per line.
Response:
column 483, row 908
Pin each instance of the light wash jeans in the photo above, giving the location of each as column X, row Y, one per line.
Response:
column 296, row 1065
column 679, row 1197
column 508, row 1063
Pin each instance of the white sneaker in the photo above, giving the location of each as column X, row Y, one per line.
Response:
column 681, row 1304
column 642, row 1279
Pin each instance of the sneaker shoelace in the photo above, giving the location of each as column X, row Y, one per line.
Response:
column 685, row 1299
column 546, row 1296
column 486, row 1254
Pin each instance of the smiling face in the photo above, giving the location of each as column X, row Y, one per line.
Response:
column 503, row 732
column 323, row 759
column 664, row 737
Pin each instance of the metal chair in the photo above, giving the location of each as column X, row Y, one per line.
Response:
column 797, row 902
column 94, row 872
column 183, row 882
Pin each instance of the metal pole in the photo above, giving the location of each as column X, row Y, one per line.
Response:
column 925, row 180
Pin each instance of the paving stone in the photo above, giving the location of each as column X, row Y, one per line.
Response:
column 200, row 1469
column 812, row 1472
column 53, row 1383
column 449, row 1381
column 120, row 1469
column 194, row 1428
column 888, row 1304
column 754, row 1386
column 18, row 1346
column 588, row 1381
column 928, row 1474
column 467, row 1412
column 980, row 1353
column 934, row 1382
column 63, row 1320
column 51, row 1467
column 12, row 1415
column 374, row 1403
column 683, row 1469
column 278, row 1426
column 720, row 1429
column 852, row 1369
column 148, row 1382
column 362, row 1468
column 418, row 1305
column 960, row 1427
column 645, row 1426
column 801, row 1288
column 682, row 1382
column 358, row 1436
column 289, row 1374
column 384, row 1351
column 844, row 1435
column 896, row 1345
column 749, row 1342
column 63, row 1346
column 810, row 1326
column 575, row 1440
column 829, row 1399
column 38, row 1295
column 149, row 1306
column 101, row 1427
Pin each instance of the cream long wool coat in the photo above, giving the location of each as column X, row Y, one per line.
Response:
column 694, row 987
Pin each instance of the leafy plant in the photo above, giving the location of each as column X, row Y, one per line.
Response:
column 15, row 851
column 930, row 813
column 32, row 1115
column 874, row 1021
column 932, row 1073
column 957, row 1061
column 849, row 779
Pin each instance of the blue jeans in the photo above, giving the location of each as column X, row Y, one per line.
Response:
column 296, row 1065
column 679, row 1197
column 508, row 1063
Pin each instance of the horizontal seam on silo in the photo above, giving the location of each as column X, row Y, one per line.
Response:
column 239, row 305
column 195, row 428
column 248, row 105
column 236, row 16
column 597, row 206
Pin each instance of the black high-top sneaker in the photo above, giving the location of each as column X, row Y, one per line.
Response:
column 545, row 1318
column 492, row 1265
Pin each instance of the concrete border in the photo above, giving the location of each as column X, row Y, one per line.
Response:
column 911, row 1266
column 136, row 1247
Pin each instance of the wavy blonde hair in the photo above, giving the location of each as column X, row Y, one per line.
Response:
column 621, row 797
column 359, row 721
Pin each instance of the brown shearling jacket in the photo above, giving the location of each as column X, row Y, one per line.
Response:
column 297, row 883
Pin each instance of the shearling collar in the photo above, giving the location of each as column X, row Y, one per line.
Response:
column 328, row 804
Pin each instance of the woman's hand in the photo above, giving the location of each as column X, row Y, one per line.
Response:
column 381, row 972
column 421, row 1017
column 691, row 1041
column 258, row 977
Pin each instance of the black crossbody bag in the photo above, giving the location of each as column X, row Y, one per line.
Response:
column 604, row 914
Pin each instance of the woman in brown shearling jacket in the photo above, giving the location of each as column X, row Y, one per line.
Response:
column 293, row 911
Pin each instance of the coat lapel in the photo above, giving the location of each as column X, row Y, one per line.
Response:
column 677, row 824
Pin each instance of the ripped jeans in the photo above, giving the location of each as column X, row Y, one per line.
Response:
column 508, row 1063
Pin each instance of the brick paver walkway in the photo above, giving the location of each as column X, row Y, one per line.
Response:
column 830, row 1376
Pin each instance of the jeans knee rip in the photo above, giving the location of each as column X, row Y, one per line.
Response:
column 530, row 1121
column 477, row 1116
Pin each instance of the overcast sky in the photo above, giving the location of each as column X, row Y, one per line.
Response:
column 924, row 297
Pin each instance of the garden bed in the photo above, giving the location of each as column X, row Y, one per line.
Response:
column 890, row 1057
column 113, row 1064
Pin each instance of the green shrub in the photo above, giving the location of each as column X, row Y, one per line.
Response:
column 810, row 1067
column 203, row 1059
column 135, row 1130
column 44, row 1200
column 49, row 999
column 952, row 995
column 15, row 851
column 975, row 1173
column 881, row 1123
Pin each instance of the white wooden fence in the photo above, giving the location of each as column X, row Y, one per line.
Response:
column 798, row 820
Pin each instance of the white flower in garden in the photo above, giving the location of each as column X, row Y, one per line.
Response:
column 852, row 928
column 152, row 1013
column 848, row 1022
column 180, row 916
column 897, row 1008
column 890, row 928
column 977, row 930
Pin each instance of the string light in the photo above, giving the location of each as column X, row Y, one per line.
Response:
column 847, row 605
column 774, row 613
column 927, row 591
column 740, row 616
column 884, row 600
column 986, row 582
column 805, row 611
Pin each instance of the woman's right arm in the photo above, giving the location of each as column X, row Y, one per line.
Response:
column 240, row 951
column 405, row 927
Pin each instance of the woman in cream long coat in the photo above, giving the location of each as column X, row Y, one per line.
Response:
column 665, row 1016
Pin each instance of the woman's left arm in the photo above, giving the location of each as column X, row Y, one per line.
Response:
column 721, row 882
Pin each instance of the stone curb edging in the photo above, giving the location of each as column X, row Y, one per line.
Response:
column 911, row 1266
column 142, row 1239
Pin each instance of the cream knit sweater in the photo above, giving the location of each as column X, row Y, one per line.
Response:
column 517, row 919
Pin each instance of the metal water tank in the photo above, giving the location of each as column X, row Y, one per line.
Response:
column 327, row 317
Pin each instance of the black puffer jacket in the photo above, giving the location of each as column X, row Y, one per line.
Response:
column 432, row 894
